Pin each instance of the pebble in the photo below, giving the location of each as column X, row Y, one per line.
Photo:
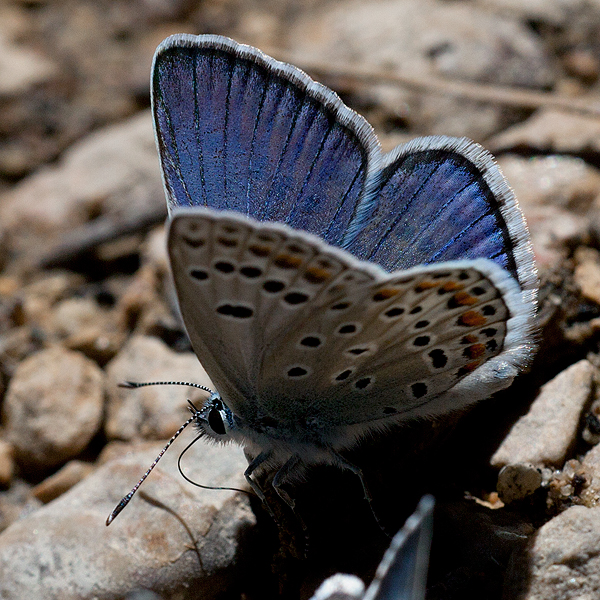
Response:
column 550, row 130
column 545, row 434
column 553, row 231
column 7, row 463
column 517, row 481
column 591, row 467
column 53, row 407
column 340, row 587
column 561, row 562
column 61, row 481
column 172, row 539
column 110, row 171
column 81, row 324
column 562, row 181
column 153, row 412
column 587, row 273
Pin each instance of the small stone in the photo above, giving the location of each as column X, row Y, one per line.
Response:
column 16, row 503
column 21, row 68
column 551, row 130
column 555, row 193
column 109, row 171
column 587, row 273
column 40, row 296
column 562, row 181
column 582, row 64
column 72, row 314
column 63, row 480
column 591, row 467
column 173, row 538
column 516, row 482
column 17, row 344
column 9, row 285
column 7, row 463
column 561, row 561
column 98, row 343
column 340, row 587
column 141, row 302
column 553, row 231
column 53, row 407
column 591, row 429
column 154, row 250
column 545, row 434
column 153, row 412
column 81, row 324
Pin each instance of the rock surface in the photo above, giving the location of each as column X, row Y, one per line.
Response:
column 111, row 171
column 562, row 561
column 53, row 407
column 173, row 539
column 153, row 412
column 545, row 434
column 418, row 39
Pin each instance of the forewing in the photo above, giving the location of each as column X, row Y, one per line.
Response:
column 240, row 284
column 239, row 130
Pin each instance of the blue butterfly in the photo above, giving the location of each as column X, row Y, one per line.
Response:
column 329, row 290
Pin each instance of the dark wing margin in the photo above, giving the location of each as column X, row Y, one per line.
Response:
column 238, row 130
column 439, row 199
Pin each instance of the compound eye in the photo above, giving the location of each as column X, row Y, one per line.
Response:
column 215, row 421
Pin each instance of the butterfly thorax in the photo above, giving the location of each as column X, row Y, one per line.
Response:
column 309, row 436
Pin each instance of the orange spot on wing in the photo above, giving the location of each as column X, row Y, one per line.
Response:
column 451, row 286
column 471, row 318
column 474, row 351
column 464, row 299
column 468, row 368
column 258, row 250
column 425, row 285
column 385, row 294
column 285, row 261
column 316, row 275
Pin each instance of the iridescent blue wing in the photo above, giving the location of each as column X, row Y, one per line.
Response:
column 240, row 131
column 443, row 199
column 402, row 574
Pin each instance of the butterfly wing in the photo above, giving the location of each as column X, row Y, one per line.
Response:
column 442, row 199
column 238, row 285
column 419, row 342
column 402, row 573
column 239, row 130
column 292, row 328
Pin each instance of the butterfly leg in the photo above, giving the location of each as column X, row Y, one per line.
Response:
column 341, row 462
column 280, row 477
column 254, row 464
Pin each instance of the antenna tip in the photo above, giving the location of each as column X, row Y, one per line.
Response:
column 127, row 384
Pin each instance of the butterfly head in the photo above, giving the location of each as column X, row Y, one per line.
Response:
column 215, row 420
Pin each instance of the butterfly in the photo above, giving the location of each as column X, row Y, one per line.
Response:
column 329, row 290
